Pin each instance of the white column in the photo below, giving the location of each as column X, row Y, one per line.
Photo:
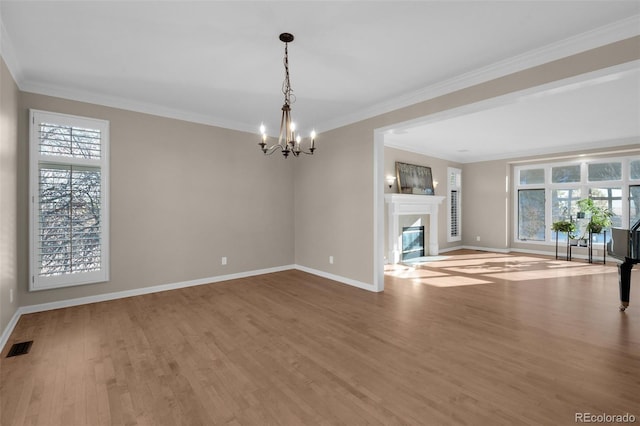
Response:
column 395, row 236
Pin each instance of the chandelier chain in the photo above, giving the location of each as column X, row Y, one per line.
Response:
column 289, row 97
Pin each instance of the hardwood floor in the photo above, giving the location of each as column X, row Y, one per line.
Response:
column 478, row 338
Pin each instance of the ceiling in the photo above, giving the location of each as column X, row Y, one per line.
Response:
column 594, row 112
column 220, row 63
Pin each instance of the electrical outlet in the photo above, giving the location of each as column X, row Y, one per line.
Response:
column 478, row 238
column 223, row 261
column 331, row 260
column 10, row 295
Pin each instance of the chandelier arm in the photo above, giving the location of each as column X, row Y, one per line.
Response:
column 272, row 149
column 307, row 151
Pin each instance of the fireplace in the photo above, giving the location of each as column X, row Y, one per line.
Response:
column 407, row 204
column 412, row 242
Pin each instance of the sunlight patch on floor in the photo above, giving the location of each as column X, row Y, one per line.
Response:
column 515, row 260
column 424, row 259
column 565, row 264
column 481, row 269
column 552, row 273
column 416, row 273
column 453, row 281
column 488, row 268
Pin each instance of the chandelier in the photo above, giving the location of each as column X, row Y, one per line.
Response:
column 288, row 142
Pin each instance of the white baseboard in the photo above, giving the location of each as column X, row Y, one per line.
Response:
column 463, row 247
column 341, row 279
column 173, row 286
column 30, row 309
column 448, row 249
column 495, row 250
column 147, row 290
column 9, row 329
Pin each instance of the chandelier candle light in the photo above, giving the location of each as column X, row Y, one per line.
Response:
column 288, row 141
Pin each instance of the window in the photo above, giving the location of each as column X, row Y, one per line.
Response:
column 531, row 176
column 634, row 169
column 605, row 171
column 564, row 205
column 69, row 196
column 531, row 223
column 454, row 218
column 565, row 174
column 549, row 192
column 609, row 198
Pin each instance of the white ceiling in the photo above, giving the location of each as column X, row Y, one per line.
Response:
column 593, row 112
column 221, row 63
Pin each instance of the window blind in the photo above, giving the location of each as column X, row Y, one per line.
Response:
column 454, row 213
column 69, row 141
column 69, row 220
column 454, row 193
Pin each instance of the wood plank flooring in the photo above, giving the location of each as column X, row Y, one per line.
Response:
column 476, row 339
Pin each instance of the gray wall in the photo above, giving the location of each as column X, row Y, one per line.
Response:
column 182, row 196
column 322, row 227
column 487, row 204
column 8, row 195
column 334, row 204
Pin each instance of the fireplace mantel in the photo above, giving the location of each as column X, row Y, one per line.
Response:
column 409, row 204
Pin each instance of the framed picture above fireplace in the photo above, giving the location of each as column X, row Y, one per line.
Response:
column 413, row 179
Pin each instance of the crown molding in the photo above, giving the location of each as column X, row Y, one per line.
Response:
column 601, row 36
column 7, row 51
column 569, row 83
column 506, row 99
column 135, row 106
column 609, row 147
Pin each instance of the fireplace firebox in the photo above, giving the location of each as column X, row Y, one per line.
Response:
column 412, row 242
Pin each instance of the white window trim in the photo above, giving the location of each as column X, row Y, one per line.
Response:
column 43, row 283
column 583, row 185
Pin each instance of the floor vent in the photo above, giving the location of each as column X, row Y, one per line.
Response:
column 20, row 348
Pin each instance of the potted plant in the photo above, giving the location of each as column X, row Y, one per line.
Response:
column 563, row 226
column 600, row 216
column 567, row 226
